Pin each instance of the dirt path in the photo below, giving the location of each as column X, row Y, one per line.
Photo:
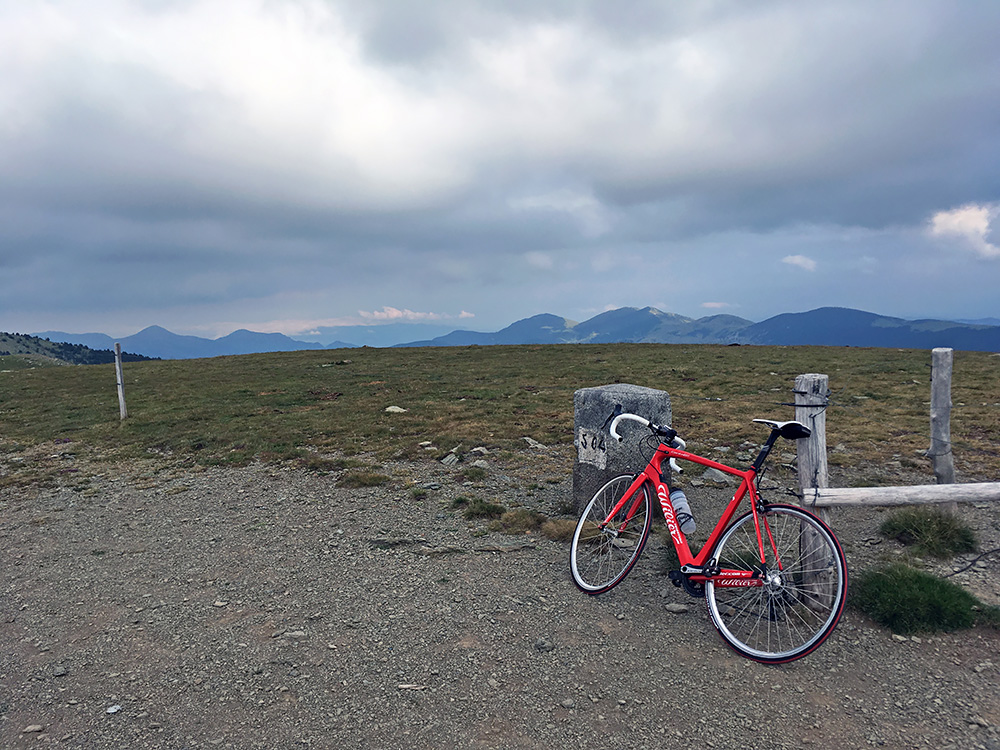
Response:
column 265, row 608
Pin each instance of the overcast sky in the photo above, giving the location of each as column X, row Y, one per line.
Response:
column 281, row 165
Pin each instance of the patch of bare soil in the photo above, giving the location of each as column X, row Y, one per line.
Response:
column 266, row 608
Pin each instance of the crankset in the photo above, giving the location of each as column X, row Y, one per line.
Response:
column 697, row 590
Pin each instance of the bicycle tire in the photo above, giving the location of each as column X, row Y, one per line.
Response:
column 799, row 605
column 600, row 558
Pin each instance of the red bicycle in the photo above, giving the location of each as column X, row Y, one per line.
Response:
column 775, row 579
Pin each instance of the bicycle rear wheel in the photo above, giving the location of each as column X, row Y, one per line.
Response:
column 603, row 554
column 803, row 592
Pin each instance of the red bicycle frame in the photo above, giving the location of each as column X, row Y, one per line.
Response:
column 698, row 564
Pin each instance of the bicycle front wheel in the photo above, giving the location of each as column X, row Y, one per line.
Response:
column 602, row 554
column 804, row 585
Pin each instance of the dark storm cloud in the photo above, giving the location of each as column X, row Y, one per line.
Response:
column 304, row 159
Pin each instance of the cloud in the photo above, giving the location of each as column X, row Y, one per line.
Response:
column 716, row 305
column 540, row 261
column 592, row 217
column 394, row 315
column 972, row 224
column 299, row 160
column 801, row 261
column 299, row 326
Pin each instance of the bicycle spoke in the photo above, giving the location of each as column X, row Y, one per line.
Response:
column 802, row 589
column 605, row 549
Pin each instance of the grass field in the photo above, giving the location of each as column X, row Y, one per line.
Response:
column 286, row 406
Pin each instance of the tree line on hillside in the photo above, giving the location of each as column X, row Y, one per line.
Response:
column 13, row 344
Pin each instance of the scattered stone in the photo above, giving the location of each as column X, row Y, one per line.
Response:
column 480, row 464
column 58, row 671
column 505, row 548
column 32, row 729
column 714, row 475
column 444, row 550
column 113, row 709
column 295, row 634
column 450, row 460
column 545, row 645
column 568, row 703
column 220, row 603
column 391, row 542
column 481, row 451
column 395, row 409
column 532, row 443
column 677, row 609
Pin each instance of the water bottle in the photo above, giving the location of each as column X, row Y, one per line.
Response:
column 682, row 511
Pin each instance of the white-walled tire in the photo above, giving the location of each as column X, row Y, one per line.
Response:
column 602, row 555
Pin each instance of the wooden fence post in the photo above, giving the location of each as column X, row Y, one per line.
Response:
column 940, row 451
column 812, row 394
column 123, row 412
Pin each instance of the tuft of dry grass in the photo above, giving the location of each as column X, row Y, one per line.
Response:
column 558, row 529
column 521, row 521
column 476, row 507
column 360, row 478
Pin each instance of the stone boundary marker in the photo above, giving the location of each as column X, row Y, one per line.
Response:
column 599, row 457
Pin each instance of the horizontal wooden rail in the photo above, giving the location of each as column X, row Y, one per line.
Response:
column 825, row 497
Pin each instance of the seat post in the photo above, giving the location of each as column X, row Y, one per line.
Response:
column 766, row 449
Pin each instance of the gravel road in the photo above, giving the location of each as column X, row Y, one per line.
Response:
column 262, row 607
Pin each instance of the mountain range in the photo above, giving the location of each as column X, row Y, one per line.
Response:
column 826, row 326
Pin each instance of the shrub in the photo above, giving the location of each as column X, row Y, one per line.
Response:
column 930, row 531
column 910, row 601
column 474, row 507
column 472, row 474
column 989, row 616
